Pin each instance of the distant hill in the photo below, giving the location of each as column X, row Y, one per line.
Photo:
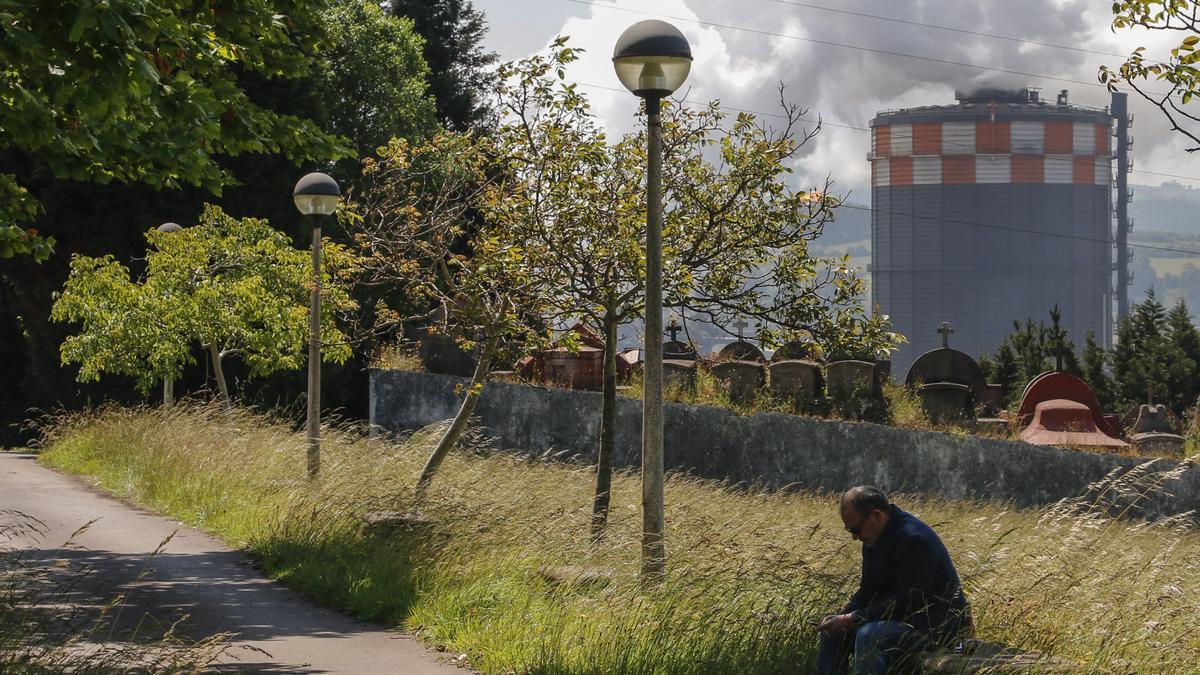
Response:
column 1171, row 207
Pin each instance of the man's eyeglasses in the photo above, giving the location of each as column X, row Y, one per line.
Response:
column 857, row 529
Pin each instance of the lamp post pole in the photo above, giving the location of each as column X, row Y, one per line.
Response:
column 653, row 545
column 652, row 59
column 314, row 355
column 315, row 195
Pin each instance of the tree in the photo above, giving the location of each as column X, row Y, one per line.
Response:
column 236, row 287
column 417, row 226
column 458, row 64
column 737, row 233
column 113, row 91
column 1179, row 75
column 381, row 59
column 1184, row 371
column 1095, row 372
column 1005, row 372
column 371, row 77
column 1139, row 358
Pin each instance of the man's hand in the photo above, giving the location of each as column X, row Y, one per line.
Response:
column 837, row 624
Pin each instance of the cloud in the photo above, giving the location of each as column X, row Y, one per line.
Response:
column 796, row 45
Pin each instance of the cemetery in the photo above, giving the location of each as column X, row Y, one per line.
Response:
column 335, row 342
column 1055, row 408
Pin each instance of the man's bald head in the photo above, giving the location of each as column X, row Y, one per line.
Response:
column 865, row 498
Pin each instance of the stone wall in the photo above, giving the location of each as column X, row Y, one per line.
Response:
column 771, row 450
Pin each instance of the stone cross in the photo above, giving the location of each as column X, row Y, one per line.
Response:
column 945, row 330
column 741, row 323
column 741, row 326
column 673, row 329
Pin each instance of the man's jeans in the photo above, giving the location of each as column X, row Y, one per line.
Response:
column 876, row 647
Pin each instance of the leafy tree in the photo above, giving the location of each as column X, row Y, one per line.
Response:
column 418, row 232
column 236, row 287
column 371, row 77
column 737, row 234
column 114, row 91
column 459, row 78
column 1178, row 76
column 380, row 57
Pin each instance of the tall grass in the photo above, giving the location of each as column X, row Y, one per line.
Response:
column 746, row 568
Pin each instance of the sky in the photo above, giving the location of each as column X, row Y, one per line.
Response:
column 744, row 49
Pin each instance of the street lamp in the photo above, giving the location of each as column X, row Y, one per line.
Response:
column 168, row 382
column 652, row 59
column 315, row 195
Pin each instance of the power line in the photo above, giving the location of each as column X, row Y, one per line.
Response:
column 828, row 43
column 965, row 31
column 824, row 122
column 1106, row 242
column 1096, row 240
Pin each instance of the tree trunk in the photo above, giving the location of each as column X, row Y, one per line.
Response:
column 608, row 431
column 450, row 438
column 219, row 373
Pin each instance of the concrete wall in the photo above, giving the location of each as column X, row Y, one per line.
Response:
column 772, row 450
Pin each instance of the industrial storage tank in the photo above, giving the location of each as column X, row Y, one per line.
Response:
column 994, row 209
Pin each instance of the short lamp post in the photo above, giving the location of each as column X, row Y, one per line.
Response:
column 315, row 195
column 168, row 382
column 652, row 59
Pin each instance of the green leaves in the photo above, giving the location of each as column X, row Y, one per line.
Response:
column 1177, row 72
column 143, row 90
column 238, row 284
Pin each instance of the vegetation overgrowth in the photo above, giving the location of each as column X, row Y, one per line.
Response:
column 746, row 568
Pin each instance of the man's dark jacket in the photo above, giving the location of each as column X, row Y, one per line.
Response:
column 908, row 576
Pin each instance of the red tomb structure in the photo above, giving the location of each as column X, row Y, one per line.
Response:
column 1061, row 409
column 579, row 369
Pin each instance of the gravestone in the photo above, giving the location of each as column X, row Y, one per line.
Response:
column 675, row 350
column 1063, row 422
column 944, row 401
column 948, row 381
column 1152, row 434
column 679, row 375
column 850, row 380
column 796, row 350
column 740, row 379
column 741, row 351
column 1053, row 385
column 796, row 381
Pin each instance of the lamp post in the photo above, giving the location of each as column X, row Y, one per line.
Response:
column 169, row 382
column 315, row 195
column 652, row 59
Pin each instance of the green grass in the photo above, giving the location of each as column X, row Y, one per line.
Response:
column 746, row 568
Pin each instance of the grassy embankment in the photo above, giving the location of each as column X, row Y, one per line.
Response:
column 745, row 570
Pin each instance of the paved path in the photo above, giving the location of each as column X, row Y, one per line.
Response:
column 198, row 576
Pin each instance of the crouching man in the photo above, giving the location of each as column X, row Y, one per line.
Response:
column 910, row 597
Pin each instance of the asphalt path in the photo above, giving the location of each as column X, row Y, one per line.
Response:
column 196, row 578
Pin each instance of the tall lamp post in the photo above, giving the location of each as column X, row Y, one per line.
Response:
column 315, row 195
column 168, row 381
column 652, row 59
